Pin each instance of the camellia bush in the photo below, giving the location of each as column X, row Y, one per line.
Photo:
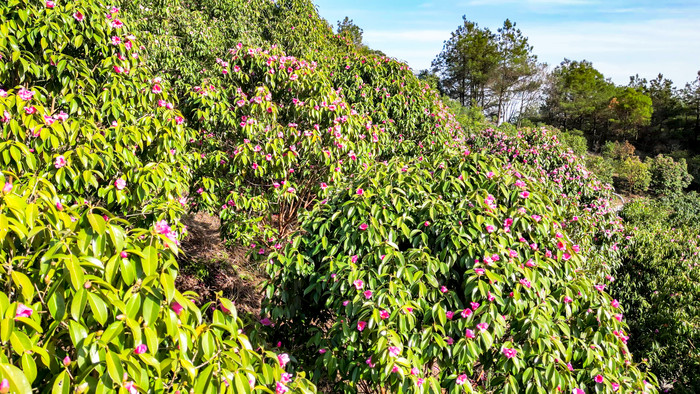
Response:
column 94, row 181
column 451, row 272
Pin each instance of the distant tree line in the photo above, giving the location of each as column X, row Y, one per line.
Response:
column 498, row 73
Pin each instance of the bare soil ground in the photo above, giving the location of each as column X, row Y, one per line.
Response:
column 209, row 266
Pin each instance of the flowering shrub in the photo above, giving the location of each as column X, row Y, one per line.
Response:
column 658, row 280
column 95, row 175
column 667, row 175
column 452, row 271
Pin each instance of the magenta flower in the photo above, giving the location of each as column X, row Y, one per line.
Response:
column 176, row 307
column 567, row 299
column 131, row 388
column 361, row 325
column 363, row 226
column 384, row 314
column 469, row 334
column 449, row 315
column 359, row 284
column 25, row 94
column 615, row 386
column 466, row 313
column 510, row 353
column 283, row 359
column 4, row 386
column 360, row 191
column 140, row 349
column 479, row 271
column 23, row 311
column 7, row 188
column 443, row 289
column 368, row 294
column 78, row 16
column 415, row 371
column 599, row 378
column 490, row 228
column 120, row 184
column 281, row 388
column 525, row 194
column 66, row 361
column 461, row 379
column 322, row 351
column 577, row 391
column 475, row 306
column 286, row 378
column 419, row 382
column 156, row 89
column 482, row 326
column 266, row 322
column 615, row 304
column 59, row 162
column 50, row 4
column 123, row 254
column 394, row 351
column 426, row 224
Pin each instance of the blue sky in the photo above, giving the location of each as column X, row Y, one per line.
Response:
column 620, row 37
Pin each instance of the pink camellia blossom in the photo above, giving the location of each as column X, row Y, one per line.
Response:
column 615, row 304
column 117, row 24
column 30, row 110
column 363, row 226
column 323, row 185
column 7, row 188
column 123, row 254
column 482, row 326
column 475, row 306
column 346, row 302
column 368, row 294
column 618, row 317
column 322, row 351
column 283, row 359
column 361, row 325
column 426, row 224
column 479, row 271
column 510, row 353
column 577, row 391
column 525, row 194
column 23, row 311
column 449, row 315
column 59, row 162
column 461, row 379
column 4, row 386
column 570, row 367
column 360, row 191
column 130, row 387
column 156, row 89
column 120, row 184
column 394, row 351
column 415, row 371
column 162, row 227
column 59, row 206
column 50, row 4
column 359, row 284
column 281, row 388
column 286, row 378
column 66, row 361
column 25, row 94
column 466, row 313
column 469, row 334
column 443, row 289
column 140, row 349
column 78, row 16
column 599, row 378
column 615, row 386
column 266, row 322
column 568, row 299
column 419, row 381
column 370, row 363
column 490, row 228
column 384, row 314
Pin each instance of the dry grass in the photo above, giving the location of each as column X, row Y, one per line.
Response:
column 208, row 266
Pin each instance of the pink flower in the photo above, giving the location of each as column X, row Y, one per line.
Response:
column 281, row 388
column 120, row 184
column 162, row 227
column 475, row 306
column 360, row 191
column 490, row 228
column 4, row 386
column 510, row 353
column 361, row 325
column 461, row 379
column 449, row 315
column 140, row 349
column 615, row 386
column 266, row 322
column 23, row 311
column 66, row 361
column 482, row 326
column 78, row 16
column 525, row 194
column 567, row 299
column 578, row 391
column 415, row 371
column 368, row 294
column 123, row 254
column 479, row 271
column 599, row 378
column 615, row 304
column 363, row 226
column 466, row 313
column 346, row 302
column 469, row 334
column 156, row 89
column 359, row 284
column 419, row 381
column 322, row 351
column 286, row 377
column 443, row 289
column 131, row 388
column 323, row 185
column 59, row 162
column 176, row 307
column 50, row 4
column 7, row 188
column 394, row 351
column 384, row 314
column 426, row 224
column 25, row 94
column 283, row 359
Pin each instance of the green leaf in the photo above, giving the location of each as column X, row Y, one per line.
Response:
column 18, row 382
column 99, row 308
